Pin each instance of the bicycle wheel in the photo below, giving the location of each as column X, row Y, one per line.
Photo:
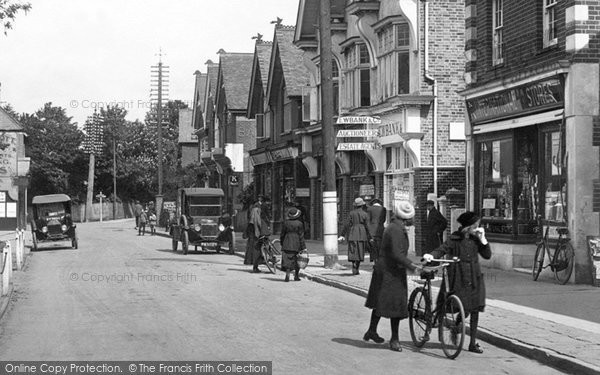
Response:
column 419, row 316
column 564, row 257
column 277, row 246
column 452, row 327
column 268, row 258
column 538, row 261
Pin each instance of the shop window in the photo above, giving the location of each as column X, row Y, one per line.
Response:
column 496, row 183
column 555, row 188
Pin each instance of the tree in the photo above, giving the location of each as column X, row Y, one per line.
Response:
column 9, row 10
column 58, row 164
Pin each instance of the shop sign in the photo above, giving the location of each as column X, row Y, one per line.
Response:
column 358, row 146
column 302, row 192
column 366, row 190
column 401, row 195
column 169, row 206
column 358, row 120
column 532, row 97
column 284, row 153
column 261, row 158
column 388, row 129
column 357, row 133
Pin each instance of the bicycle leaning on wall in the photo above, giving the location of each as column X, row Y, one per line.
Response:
column 561, row 260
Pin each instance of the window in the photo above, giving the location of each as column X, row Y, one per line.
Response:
column 496, row 184
column 394, row 63
column 335, row 76
column 260, row 125
column 397, row 159
column 358, row 76
column 498, row 24
column 549, row 23
column 555, row 189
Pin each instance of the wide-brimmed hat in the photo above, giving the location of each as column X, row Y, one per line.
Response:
column 294, row 213
column 404, row 210
column 359, row 202
column 467, row 218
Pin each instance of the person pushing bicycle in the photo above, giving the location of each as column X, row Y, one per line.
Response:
column 465, row 278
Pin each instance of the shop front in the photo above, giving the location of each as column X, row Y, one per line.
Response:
column 519, row 166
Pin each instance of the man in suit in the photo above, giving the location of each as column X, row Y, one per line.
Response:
column 434, row 228
column 377, row 215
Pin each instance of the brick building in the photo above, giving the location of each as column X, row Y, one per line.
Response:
column 403, row 63
column 532, row 127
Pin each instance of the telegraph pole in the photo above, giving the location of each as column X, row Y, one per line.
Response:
column 329, row 190
column 92, row 145
column 160, row 83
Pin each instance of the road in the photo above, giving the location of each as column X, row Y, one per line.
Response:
column 125, row 297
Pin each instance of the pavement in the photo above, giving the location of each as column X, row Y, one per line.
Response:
column 567, row 343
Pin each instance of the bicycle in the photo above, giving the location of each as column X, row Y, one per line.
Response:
column 448, row 316
column 270, row 250
column 561, row 261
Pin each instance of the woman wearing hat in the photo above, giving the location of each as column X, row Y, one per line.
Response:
column 292, row 242
column 388, row 291
column 358, row 234
column 466, row 279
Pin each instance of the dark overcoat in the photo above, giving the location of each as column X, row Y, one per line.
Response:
column 357, row 234
column 465, row 278
column 292, row 241
column 436, row 224
column 388, row 291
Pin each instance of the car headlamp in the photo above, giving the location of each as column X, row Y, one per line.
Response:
column 221, row 227
column 197, row 227
column 44, row 229
column 63, row 227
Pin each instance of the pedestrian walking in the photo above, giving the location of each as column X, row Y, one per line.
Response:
column 388, row 290
column 142, row 223
column 261, row 220
column 152, row 222
column 137, row 210
column 435, row 226
column 377, row 216
column 292, row 242
column 357, row 234
column 465, row 277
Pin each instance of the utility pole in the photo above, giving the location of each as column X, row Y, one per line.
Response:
column 159, row 83
column 114, row 144
column 329, row 190
column 92, row 145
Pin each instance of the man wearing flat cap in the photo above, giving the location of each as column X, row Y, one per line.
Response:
column 434, row 228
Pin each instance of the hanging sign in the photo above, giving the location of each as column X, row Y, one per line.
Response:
column 358, row 146
column 358, row 120
column 357, row 133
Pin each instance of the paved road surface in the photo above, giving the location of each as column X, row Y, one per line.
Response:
column 124, row 297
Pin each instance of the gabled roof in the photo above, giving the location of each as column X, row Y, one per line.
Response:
column 8, row 123
column 290, row 57
column 235, row 71
column 200, row 89
column 260, row 73
column 212, row 70
column 307, row 20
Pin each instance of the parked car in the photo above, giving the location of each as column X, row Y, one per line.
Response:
column 52, row 221
column 200, row 220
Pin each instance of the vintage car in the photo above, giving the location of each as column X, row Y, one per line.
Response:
column 52, row 220
column 200, row 220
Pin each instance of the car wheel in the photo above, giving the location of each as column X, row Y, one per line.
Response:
column 218, row 249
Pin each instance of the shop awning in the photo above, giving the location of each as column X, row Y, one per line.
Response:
column 519, row 122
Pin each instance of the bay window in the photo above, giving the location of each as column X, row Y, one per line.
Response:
column 394, row 63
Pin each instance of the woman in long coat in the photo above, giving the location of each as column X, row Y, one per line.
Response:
column 292, row 242
column 388, row 291
column 465, row 278
column 357, row 234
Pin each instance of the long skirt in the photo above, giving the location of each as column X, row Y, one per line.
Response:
column 356, row 251
column 249, row 255
column 289, row 260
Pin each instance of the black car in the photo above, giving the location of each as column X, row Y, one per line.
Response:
column 52, row 221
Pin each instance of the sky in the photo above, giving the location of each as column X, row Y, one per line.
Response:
column 82, row 54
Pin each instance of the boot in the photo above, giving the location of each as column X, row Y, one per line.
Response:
column 287, row 276
column 296, row 276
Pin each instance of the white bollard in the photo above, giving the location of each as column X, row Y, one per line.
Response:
column 5, row 270
column 19, row 249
